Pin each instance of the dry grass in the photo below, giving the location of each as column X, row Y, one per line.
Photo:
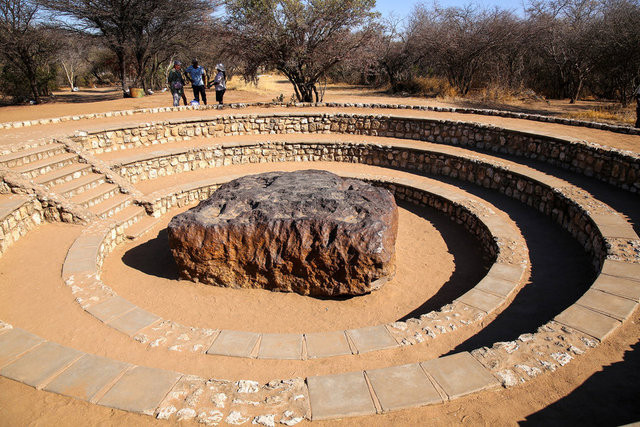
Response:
column 435, row 87
column 608, row 114
column 267, row 83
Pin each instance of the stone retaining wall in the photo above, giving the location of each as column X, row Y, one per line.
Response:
column 19, row 221
column 483, row 112
column 544, row 193
column 614, row 166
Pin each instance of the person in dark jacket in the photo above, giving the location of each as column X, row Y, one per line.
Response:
column 176, row 84
column 220, row 82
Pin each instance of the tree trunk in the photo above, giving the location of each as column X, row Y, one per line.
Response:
column 122, row 71
column 576, row 94
column 638, row 111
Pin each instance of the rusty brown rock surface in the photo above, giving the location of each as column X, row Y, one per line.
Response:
column 310, row 232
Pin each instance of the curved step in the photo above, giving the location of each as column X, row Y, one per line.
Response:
column 41, row 167
column 65, row 174
column 23, row 157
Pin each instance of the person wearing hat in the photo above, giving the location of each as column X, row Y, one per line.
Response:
column 220, row 82
column 176, row 84
column 198, row 78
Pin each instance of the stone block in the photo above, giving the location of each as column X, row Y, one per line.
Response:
column 611, row 305
column 338, row 396
column 622, row 269
column 496, row 286
column 327, row 344
column 511, row 272
column 86, row 377
column 280, row 346
column 625, row 288
column 234, row 343
column 405, row 386
column 38, row 366
column 110, row 309
column 133, row 321
column 140, row 390
column 371, row 338
column 481, row 300
column 588, row 321
column 15, row 342
column 620, row 231
column 459, row 374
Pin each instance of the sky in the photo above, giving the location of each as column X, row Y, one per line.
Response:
column 401, row 8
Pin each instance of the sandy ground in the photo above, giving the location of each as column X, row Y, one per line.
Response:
column 598, row 388
column 144, row 273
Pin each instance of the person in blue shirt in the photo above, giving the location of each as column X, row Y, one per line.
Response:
column 198, row 78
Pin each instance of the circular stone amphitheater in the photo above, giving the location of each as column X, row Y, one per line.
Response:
column 516, row 286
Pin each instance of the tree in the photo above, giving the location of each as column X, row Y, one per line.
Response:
column 303, row 39
column 616, row 48
column 25, row 46
column 568, row 35
column 136, row 29
column 459, row 41
column 72, row 55
column 401, row 52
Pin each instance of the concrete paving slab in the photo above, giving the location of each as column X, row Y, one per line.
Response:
column 460, row 374
column 327, row 344
column 588, row 321
column 338, row 396
column 38, row 366
column 79, row 265
column 618, row 286
column 110, row 309
column 623, row 269
column 140, row 390
column 611, row 305
column 405, row 386
column 496, row 286
column 622, row 231
column 481, row 300
column 14, row 342
column 133, row 321
column 280, row 346
column 503, row 271
column 86, row 377
column 371, row 338
column 234, row 343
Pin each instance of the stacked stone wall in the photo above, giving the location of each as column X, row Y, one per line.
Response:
column 614, row 166
column 17, row 223
column 543, row 193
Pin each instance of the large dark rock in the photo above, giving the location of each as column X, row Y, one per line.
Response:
column 310, row 232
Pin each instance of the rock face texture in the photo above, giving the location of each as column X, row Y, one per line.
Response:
column 310, row 232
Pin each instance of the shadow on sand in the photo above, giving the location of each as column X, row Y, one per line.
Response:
column 153, row 257
column 607, row 398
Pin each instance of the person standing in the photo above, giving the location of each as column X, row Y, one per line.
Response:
column 198, row 78
column 176, row 84
column 637, row 96
column 220, row 82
